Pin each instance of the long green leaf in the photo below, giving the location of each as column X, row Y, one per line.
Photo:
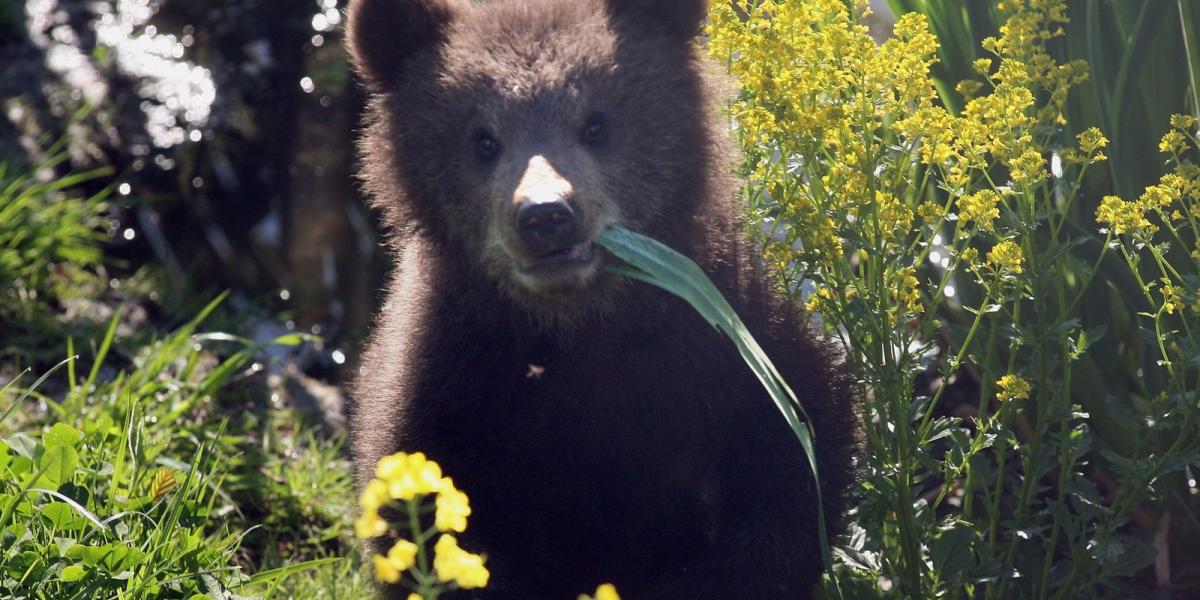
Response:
column 654, row 263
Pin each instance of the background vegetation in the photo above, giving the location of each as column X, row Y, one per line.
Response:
column 996, row 211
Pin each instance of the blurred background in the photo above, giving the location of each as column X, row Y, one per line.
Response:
column 227, row 127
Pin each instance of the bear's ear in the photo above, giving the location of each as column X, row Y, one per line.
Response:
column 681, row 18
column 382, row 34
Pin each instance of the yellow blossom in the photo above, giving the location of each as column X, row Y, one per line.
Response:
column 452, row 563
column 1006, row 256
column 606, row 591
column 968, row 256
column 1124, row 217
column 1091, row 140
column 409, row 475
column 453, row 509
column 1172, row 301
column 384, row 571
column 1012, row 387
column 1183, row 122
column 370, row 525
column 982, row 207
column 1173, row 142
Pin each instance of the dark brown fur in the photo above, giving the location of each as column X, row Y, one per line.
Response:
column 645, row 453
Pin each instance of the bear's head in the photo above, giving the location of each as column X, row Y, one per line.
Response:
column 511, row 132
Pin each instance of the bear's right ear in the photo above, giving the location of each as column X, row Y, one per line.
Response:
column 382, row 34
column 681, row 18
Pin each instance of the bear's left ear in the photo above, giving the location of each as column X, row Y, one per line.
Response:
column 682, row 18
column 382, row 34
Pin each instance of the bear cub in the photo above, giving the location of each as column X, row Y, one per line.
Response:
column 602, row 430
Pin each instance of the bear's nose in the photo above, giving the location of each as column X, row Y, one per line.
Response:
column 545, row 224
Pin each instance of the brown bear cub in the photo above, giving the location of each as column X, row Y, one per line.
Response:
column 603, row 431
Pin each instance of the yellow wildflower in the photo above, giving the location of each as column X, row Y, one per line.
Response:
column 969, row 88
column 1171, row 297
column 384, row 571
column 1091, row 140
column 1012, row 387
column 452, row 563
column 1173, row 142
column 606, row 591
column 453, row 509
column 409, row 475
column 1006, row 256
column 982, row 207
column 370, row 524
column 930, row 212
column 399, row 559
column 968, row 256
column 1183, row 122
column 1124, row 217
column 1029, row 168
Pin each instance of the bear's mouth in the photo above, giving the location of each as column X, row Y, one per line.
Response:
column 570, row 256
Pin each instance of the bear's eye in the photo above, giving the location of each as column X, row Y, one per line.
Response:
column 486, row 147
column 595, row 132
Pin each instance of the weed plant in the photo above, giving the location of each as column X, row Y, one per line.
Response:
column 943, row 246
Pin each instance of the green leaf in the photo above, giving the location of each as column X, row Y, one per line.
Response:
column 654, row 263
column 73, row 573
column 62, row 516
column 59, row 464
column 61, row 434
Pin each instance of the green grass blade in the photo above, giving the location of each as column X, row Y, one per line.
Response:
column 652, row 262
column 1189, row 17
column 285, row 571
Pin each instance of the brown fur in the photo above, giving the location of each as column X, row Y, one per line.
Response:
column 645, row 454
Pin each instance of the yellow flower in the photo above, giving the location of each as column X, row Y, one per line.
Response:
column 968, row 256
column 452, row 563
column 1006, row 256
column 1173, row 142
column 370, row 525
column 1029, row 168
column 414, row 596
column 1124, row 217
column 607, row 591
column 384, row 571
column 981, row 207
column 969, row 88
column 1171, row 297
column 1183, row 122
column 409, row 475
column 374, row 496
column 1091, row 140
column 1012, row 387
column 453, row 509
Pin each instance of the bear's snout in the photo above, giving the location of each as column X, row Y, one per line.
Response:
column 546, row 224
column 550, row 227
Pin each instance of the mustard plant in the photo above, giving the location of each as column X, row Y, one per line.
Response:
column 938, row 243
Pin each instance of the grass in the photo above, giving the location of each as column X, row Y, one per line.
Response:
column 153, row 465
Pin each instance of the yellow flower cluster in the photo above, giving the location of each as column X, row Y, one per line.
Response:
column 832, row 124
column 399, row 559
column 982, row 207
column 606, row 591
column 1124, row 217
column 1012, row 387
column 403, row 481
column 404, row 476
column 453, row 564
column 1006, row 257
